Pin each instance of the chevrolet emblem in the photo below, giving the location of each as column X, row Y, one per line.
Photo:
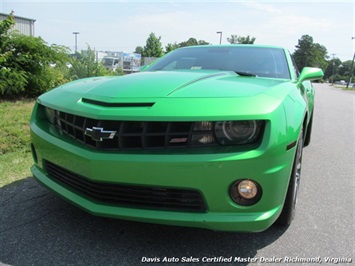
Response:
column 99, row 134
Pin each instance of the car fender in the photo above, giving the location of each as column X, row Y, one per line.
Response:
column 295, row 113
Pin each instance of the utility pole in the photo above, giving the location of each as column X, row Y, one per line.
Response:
column 351, row 69
column 220, row 36
column 333, row 69
column 76, row 40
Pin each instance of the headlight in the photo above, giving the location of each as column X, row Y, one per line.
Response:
column 50, row 114
column 237, row 132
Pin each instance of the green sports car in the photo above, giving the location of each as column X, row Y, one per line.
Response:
column 207, row 136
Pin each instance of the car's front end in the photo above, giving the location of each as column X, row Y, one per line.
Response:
column 173, row 162
column 191, row 147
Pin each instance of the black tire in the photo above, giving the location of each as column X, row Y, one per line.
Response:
column 289, row 208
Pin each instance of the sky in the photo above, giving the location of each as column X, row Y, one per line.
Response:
column 124, row 25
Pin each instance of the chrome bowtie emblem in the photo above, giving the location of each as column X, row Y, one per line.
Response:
column 99, row 134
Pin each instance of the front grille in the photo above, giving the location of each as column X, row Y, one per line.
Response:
column 129, row 195
column 135, row 135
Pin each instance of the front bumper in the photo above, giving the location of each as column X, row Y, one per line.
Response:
column 219, row 221
column 210, row 174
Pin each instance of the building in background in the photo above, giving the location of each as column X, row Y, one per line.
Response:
column 128, row 62
column 25, row 26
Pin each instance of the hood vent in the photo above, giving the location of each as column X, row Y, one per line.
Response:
column 106, row 104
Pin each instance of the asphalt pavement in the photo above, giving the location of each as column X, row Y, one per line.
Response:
column 39, row 228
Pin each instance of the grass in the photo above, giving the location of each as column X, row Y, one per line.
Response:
column 343, row 87
column 15, row 151
column 348, row 89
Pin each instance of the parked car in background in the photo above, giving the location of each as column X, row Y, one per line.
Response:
column 206, row 136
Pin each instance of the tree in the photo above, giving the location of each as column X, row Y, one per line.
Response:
column 235, row 39
column 339, row 70
column 139, row 50
column 190, row 42
column 171, row 46
column 25, row 69
column 5, row 26
column 153, row 47
column 310, row 54
column 333, row 67
column 10, row 79
column 84, row 65
column 345, row 68
column 202, row 42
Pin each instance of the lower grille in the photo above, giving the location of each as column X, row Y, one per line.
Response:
column 129, row 195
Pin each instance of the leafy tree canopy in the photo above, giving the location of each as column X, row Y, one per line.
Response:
column 153, row 47
column 171, row 47
column 310, row 54
column 26, row 61
column 85, row 65
column 333, row 66
column 190, row 42
column 5, row 26
column 139, row 50
column 235, row 39
column 339, row 70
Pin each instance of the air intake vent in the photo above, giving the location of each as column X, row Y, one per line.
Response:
column 129, row 195
column 106, row 104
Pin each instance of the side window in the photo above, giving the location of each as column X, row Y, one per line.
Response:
column 295, row 69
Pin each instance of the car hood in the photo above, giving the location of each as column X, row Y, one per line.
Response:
column 159, row 84
column 167, row 94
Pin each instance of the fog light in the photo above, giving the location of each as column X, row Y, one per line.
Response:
column 247, row 189
column 245, row 192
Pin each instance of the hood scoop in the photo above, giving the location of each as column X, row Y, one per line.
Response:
column 117, row 104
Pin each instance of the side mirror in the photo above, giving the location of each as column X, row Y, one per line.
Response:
column 310, row 73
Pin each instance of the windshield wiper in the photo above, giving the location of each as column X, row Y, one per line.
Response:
column 245, row 74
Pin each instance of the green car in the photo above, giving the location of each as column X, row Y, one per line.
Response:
column 207, row 136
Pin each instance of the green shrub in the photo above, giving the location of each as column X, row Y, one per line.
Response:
column 25, row 61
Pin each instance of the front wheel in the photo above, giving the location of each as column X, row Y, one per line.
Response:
column 289, row 209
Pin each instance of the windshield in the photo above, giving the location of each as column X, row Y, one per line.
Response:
column 258, row 61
